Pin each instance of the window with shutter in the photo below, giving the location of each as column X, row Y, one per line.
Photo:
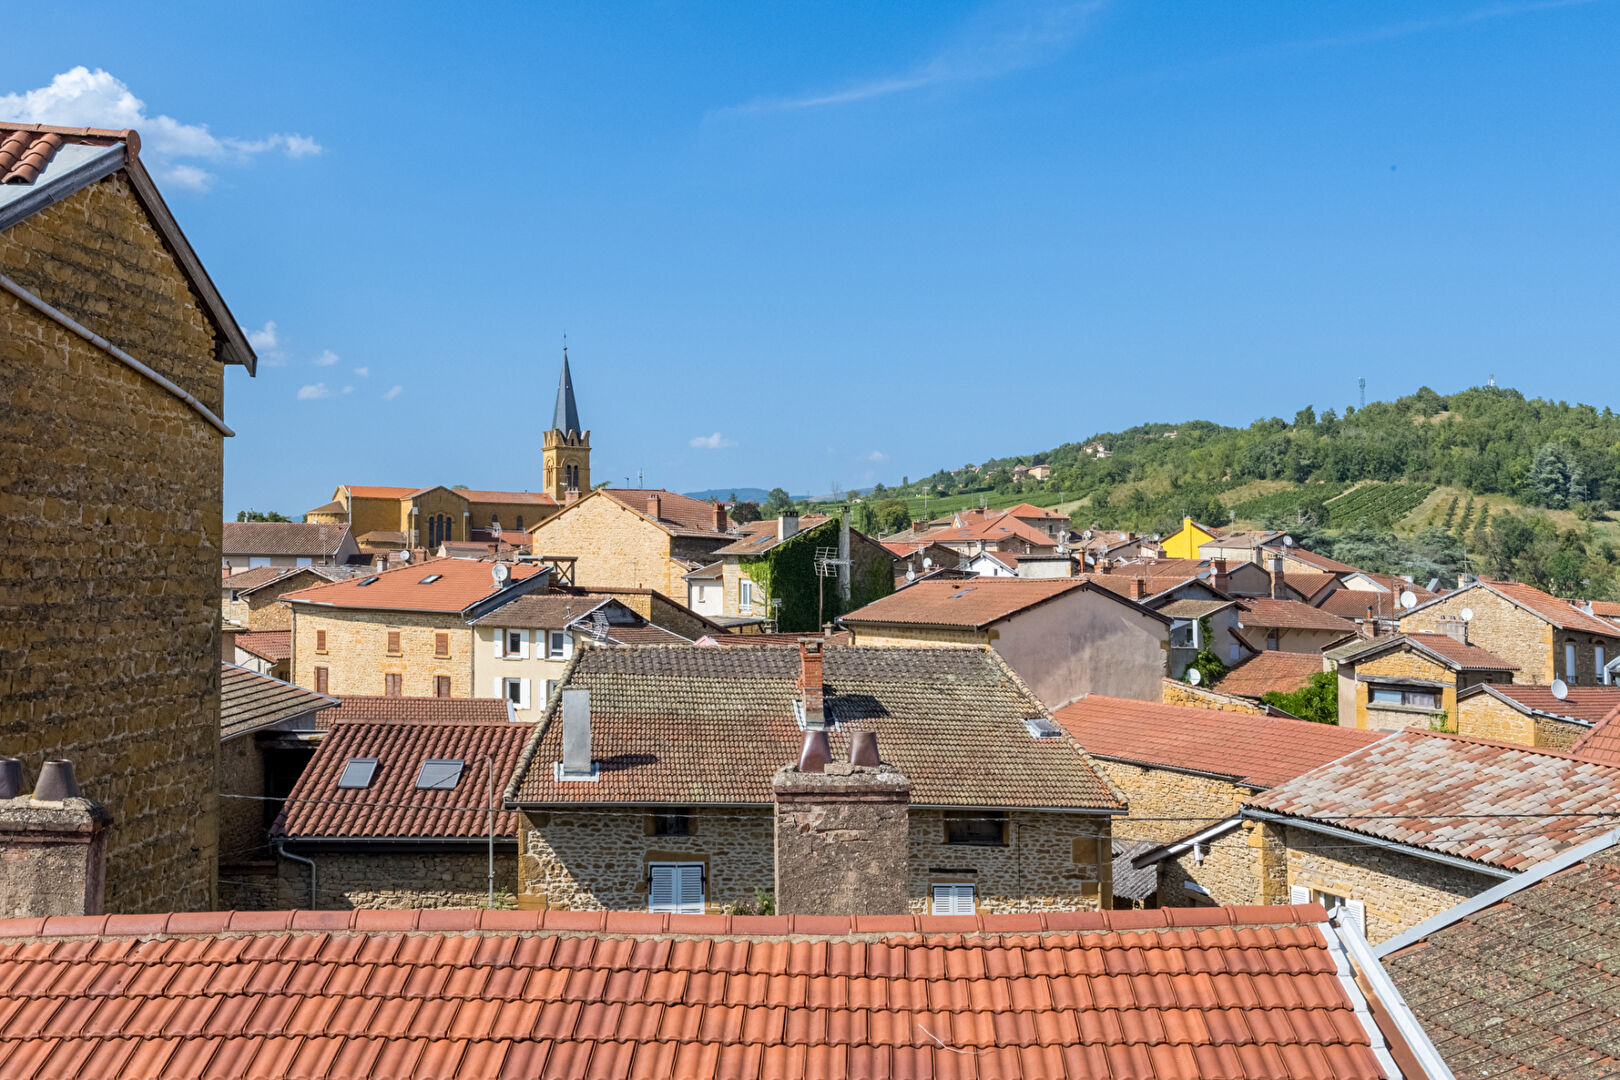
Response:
column 1569, row 664
column 1298, row 894
column 441, row 686
column 513, row 692
column 1355, row 913
column 441, row 644
column 675, row 888
column 557, row 645
column 953, row 899
column 393, row 685
column 393, row 641
column 320, row 641
column 320, row 680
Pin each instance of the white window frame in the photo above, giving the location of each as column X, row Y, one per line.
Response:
column 1599, row 661
column 1404, row 693
column 745, row 596
column 1569, row 662
column 953, row 898
column 256, row 561
column 521, row 702
column 670, row 888
column 558, row 644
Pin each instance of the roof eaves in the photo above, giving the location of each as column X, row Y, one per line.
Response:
column 56, row 188
column 1312, row 825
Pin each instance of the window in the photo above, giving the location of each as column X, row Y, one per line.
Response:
column 357, row 772
column 320, row 680
column 393, row 642
column 257, row 561
column 675, row 888
column 514, row 643
column 677, row 824
column 441, row 686
column 1271, row 641
column 306, row 562
column 557, row 645
column 441, row 644
column 1339, row 906
column 982, row 828
column 953, row 898
column 1569, row 662
column 393, row 684
column 516, row 691
column 438, row 775
column 1417, row 699
column 430, row 579
column 368, row 581
column 745, row 596
column 1184, row 634
column 520, row 523
column 1234, row 652
column 320, row 642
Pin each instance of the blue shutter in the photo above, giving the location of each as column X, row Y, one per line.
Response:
column 675, row 887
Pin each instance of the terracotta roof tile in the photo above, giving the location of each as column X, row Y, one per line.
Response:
column 972, row 603
column 243, row 580
column 695, row 725
column 1262, row 611
column 400, row 734
column 26, row 149
column 1493, row 803
column 458, row 585
column 1606, row 609
column 1461, row 655
column 272, row 645
column 1561, row 613
column 1311, row 558
column 1259, row 751
column 1308, row 585
column 1602, row 743
column 249, row 701
column 679, row 513
column 1587, row 704
column 1274, row 670
column 401, row 994
column 282, row 538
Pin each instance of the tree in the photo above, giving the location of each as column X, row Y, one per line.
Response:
column 260, row 515
column 1555, row 478
column 776, row 501
column 744, row 512
column 1317, row 701
column 890, row 516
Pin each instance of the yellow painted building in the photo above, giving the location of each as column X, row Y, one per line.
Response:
column 1184, row 543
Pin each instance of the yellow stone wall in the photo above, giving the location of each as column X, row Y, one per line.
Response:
column 378, row 515
column 110, row 492
column 1485, row 717
column 1516, row 635
column 614, row 545
column 918, row 636
column 509, row 513
column 357, row 657
column 1403, row 663
column 559, row 450
column 1201, row 697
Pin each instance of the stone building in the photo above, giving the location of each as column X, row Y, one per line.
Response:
column 1412, row 680
column 1186, row 773
column 400, row 808
column 1065, row 637
column 1543, row 637
column 251, row 599
column 264, row 652
column 662, row 772
column 249, row 545
column 1268, row 624
column 114, row 342
column 1539, row 716
column 641, row 538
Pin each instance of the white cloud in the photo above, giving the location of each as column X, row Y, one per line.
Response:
column 265, row 338
column 84, row 98
column 393, row 392
column 348, row 389
column 362, row 371
column 313, row 392
column 877, row 455
column 327, row 358
column 716, row 441
column 1005, row 38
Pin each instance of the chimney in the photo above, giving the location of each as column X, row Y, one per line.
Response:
column 842, row 836
column 1372, row 622
column 787, row 525
column 1454, row 627
column 720, row 522
column 810, row 685
column 1277, row 577
column 1138, row 589
column 576, row 737
column 1217, row 575
column 655, row 506
column 52, row 845
column 571, row 496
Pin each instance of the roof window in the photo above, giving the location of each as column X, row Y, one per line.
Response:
column 438, row 775
column 369, row 581
column 357, row 772
column 958, row 595
column 430, row 579
column 1042, row 728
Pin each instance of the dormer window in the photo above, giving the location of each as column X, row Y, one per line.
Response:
column 369, row 581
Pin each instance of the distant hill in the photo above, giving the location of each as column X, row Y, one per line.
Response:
column 746, row 494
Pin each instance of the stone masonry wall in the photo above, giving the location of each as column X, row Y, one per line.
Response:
column 1403, row 663
column 1200, row 697
column 1517, row 636
column 614, row 545
column 241, row 821
column 1050, row 863
column 1189, row 802
column 357, row 659
column 265, row 609
column 110, row 491
column 398, row 880
column 1399, row 890
column 1228, row 873
column 1484, row 717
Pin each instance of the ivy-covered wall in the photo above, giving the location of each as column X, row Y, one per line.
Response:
column 788, row 572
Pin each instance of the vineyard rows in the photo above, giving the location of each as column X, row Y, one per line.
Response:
column 1379, row 505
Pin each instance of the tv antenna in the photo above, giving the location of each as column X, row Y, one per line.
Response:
column 827, row 565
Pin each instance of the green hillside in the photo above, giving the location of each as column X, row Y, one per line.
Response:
column 1535, row 484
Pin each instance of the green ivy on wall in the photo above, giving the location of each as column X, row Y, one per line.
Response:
column 788, row 573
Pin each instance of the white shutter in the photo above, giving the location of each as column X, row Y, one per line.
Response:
column 523, row 693
column 523, row 644
column 500, row 688
column 675, row 887
column 567, row 645
column 500, row 643
column 953, row 899
column 1298, row 894
column 1355, row 913
column 691, row 889
column 660, row 888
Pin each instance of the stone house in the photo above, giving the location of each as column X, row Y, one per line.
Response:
column 402, row 632
column 1534, row 715
column 264, row 652
column 1271, row 672
column 1200, row 617
column 249, row 545
column 1186, row 773
column 114, row 344
column 522, row 648
column 1408, row 680
column 251, row 599
column 1290, row 626
column 1543, row 637
column 1244, row 546
column 400, row 808
column 1066, row 637
column 654, row 766
column 267, row 731
column 642, row 538
column 768, row 573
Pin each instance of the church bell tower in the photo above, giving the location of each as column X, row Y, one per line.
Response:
column 566, row 457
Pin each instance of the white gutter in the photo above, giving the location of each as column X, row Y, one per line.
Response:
column 1347, row 945
column 114, row 351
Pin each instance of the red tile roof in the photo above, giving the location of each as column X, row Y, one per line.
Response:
column 282, row 538
column 678, row 513
column 1606, row 609
column 242, row 580
column 1026, row 510
column 531, row 498
column 460, row 584
column 380, row 492
column 990, row 530
column 1311, row 558
column 1274, row 670
column 691, row 725
column 1262, row 611
column 1353, row 604
column 368, row 995
column 1588, row 704
column 1308, row 585
column 402, row 733
column 973, row 603
column 1460, row 655
column 272, row 645
column 1493, row 803
column 26, row 149
column 1258, row 751
column 1561, row 613
column 1602, row 743
column 758, row 537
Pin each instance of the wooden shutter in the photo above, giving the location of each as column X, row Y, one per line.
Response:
column 393, row 641
column 320, row 680
column 441, row 644
column 320, row 641
column 441, row 686
column 392, row 684
column 953, row 899
column 1298, row 894
column 660, row 888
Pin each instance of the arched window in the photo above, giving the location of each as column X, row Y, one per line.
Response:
column 520, row 523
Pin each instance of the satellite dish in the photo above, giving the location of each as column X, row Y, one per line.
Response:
column 1090, row 561
column 1155, row 538
column 405, row 556
column 911, row 575
column 1194, row 676
column 1408, row 599
column 501, row 572
column 1288, row 541
column 1560, row 689
column 927, row 563
column 1086, row 535
column 1467, row 614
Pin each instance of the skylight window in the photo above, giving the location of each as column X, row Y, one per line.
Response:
column 1042, row 728
column 430, row 579
column 357, row 772
column 960, row 594
column 438, row 775
column 369, row 581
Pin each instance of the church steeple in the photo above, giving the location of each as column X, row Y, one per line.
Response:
column 566, row 418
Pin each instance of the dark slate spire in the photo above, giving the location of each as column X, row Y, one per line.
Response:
column 567, row 417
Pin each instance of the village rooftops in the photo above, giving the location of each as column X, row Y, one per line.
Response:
column 282, row 538
column 1602, row 743
column 250, row 702
column 700, row 726
column 442, row 585
column 1549, row 608
column 271, row 645
column 758, row 537
column 1272, row 671
column 1168, row 994
column 1246, row 749
column 1582, row 704
column 1442, row 648
column 973, row 603
column 1309, row 558
column 406, row 768
column 1494, row 807
column 1265, row 613
column 680, row 515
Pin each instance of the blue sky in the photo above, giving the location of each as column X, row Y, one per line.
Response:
column 797, row 244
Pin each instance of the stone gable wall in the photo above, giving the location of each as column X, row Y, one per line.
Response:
column 614, row 545
column 1198, row 697
column 1157, row 794
column 111, row 567
column 1516, row 635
